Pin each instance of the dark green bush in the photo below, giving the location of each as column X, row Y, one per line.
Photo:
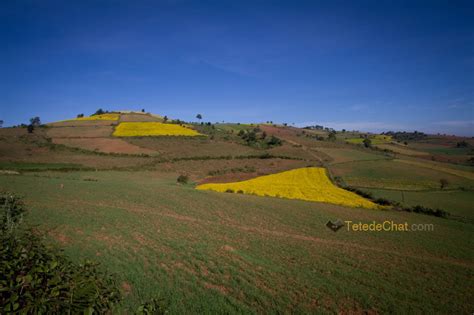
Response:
column 274, row 141
column 36, row 278
column 360, row 192
column 183, row 179
column 429, row 211
column 151, row 307
column 383, row 202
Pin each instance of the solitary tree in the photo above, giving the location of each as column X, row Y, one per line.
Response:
column 443, row 183
column 332, row 136
column 80, row 115
column 199, row 116
column 1, row 123
column 165, row 119
column 462, row 144
column 367, row 143
column 143, row 110
column 35, row 121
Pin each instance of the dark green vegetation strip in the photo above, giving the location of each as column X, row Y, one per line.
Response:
column 20, row 166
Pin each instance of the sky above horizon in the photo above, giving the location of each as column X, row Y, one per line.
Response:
column 364, row 65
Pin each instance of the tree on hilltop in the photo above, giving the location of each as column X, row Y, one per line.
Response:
column 35, row 121
column 100, row 111
column 199, row 116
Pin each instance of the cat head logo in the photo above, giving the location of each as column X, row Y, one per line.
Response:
column 336, row 225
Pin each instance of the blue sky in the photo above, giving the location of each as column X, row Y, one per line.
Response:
column 367, row 65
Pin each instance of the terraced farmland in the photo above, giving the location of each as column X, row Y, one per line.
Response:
column 116, row 200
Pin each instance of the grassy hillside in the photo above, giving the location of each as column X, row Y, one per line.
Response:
column 203, row 251
column 116, row 201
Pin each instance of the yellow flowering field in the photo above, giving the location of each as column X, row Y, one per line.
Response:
column 376, row 139
column 137, row 129
column 311, row 184
column 101, row 117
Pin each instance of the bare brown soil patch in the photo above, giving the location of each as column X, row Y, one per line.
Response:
column 60, row 237
column 126, row 288
column 297, row 136
column 182, row 147
column 222, row 289
column 108, row 145
column 13, row 132
column 80, row 132
column 83, row 123
column 262, row 167
column 228, row 248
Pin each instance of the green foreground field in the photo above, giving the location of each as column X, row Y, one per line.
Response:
column 207, row 252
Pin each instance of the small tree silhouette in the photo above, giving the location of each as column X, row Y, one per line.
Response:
column 443, row 183
column 367, row 143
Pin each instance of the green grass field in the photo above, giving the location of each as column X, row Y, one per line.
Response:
column 206, row 252
column 457, row 202
column 395, row 175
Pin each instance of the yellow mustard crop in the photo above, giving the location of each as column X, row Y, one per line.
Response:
column 311, row 184
column 100, row 117
column 137, row 129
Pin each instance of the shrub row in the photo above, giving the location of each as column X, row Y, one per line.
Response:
column 238, row 157
column 245, row 169
column 398, row 206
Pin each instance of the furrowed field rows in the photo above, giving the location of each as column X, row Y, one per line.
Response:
column 208, row 251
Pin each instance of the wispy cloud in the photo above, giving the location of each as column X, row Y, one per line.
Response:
column 456, row 123
column 369, row 126
column 459, row 103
